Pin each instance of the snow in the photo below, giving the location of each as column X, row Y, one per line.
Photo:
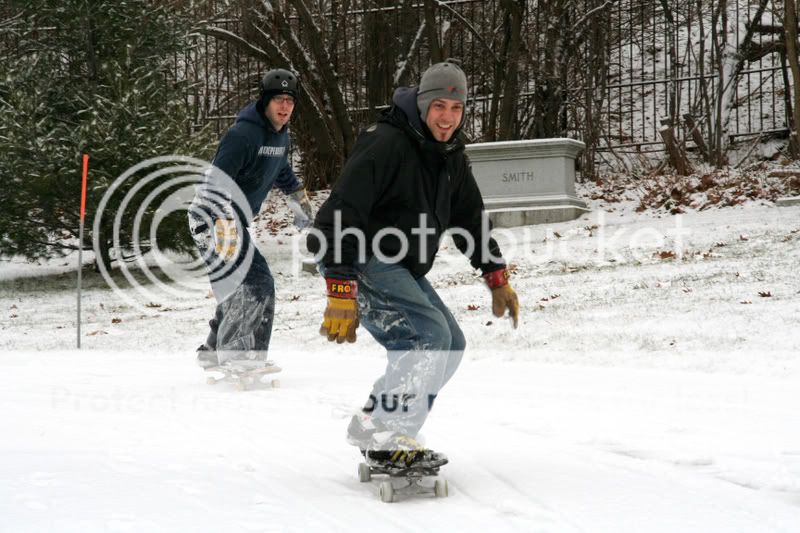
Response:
column 642, row 392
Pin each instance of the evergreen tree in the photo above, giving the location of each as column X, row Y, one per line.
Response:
column 94, row 76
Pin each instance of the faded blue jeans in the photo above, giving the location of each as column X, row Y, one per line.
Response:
column 244, row 317
column 423, row 341
column 245, row 298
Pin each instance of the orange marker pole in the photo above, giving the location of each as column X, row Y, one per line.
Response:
column 80, row 240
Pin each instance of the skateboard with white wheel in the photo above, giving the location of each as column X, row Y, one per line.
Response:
column 406, row 481
column 244, row 378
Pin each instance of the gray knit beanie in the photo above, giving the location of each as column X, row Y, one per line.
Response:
column 441, row 80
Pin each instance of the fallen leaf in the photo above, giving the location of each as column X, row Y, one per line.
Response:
column 745, row 302
column 489, row 323
column 295, row 298
column 116, row 320
column 665, row 254
column 151, row 304
column 97, row 332
column 472, row 307
column 14, row 316
column 744, row 238
column 765, row 294
column 554, row 296
column 556, row 234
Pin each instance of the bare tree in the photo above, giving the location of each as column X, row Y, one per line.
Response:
column 790, row 32
column 510, row 61
column 729, row 60
column 537, row 69
column 432, row 31
column 323, row 130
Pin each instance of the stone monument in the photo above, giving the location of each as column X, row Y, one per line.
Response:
column 528, row 182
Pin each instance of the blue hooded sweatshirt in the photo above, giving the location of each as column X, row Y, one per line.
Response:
column 255, row 156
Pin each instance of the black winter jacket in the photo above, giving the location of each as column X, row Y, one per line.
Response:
column 396, row 173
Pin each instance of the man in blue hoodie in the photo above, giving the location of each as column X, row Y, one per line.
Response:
column 251, row 159
column 407, row 181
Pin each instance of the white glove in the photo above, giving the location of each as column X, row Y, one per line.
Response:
column 301, row 207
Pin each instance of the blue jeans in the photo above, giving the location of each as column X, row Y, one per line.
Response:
column 245, row 303
column 423, row 341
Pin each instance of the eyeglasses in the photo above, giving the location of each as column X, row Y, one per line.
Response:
column 284, row 99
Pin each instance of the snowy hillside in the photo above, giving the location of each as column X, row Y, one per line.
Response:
column 652, row 386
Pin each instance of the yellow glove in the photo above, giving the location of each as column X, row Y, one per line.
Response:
column 226, row 238
column 341, row 315
column 503, row 296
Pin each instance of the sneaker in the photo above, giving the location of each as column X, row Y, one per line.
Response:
column 401, row 451
column 361, row 429
column 206, row 356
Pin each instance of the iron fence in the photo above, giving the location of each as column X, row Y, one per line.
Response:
column 654, row 65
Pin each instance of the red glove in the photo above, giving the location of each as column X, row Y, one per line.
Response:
column 503, row 296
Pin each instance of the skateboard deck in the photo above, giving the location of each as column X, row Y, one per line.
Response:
column 244, row 378
column 405, row 481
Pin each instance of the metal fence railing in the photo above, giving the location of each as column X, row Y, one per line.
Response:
column 654, row 65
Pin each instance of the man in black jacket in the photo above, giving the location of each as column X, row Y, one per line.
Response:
column 406, row 182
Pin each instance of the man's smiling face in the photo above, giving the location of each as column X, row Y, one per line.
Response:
column 444, row 117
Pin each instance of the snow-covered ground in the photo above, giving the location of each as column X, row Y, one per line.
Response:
column 653, row 385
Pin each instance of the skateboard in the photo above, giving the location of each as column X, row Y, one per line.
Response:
column 244, row 378
column 414, row 479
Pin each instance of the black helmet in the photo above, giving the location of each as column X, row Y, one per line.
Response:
column 278, row 81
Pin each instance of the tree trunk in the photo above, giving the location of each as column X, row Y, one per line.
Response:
column 379, row 50
column 508, row 105
column 433, row 31
column 719, row 37
column 490, row 129
column 697, row 136
column 790, row 34
column 549, row 91
column 677, row 157
column 103, row 257
column 328, row 76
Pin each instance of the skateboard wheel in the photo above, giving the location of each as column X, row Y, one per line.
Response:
column 364, row 473
column 440, row 488
column 387, row 492
column 276, row 383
